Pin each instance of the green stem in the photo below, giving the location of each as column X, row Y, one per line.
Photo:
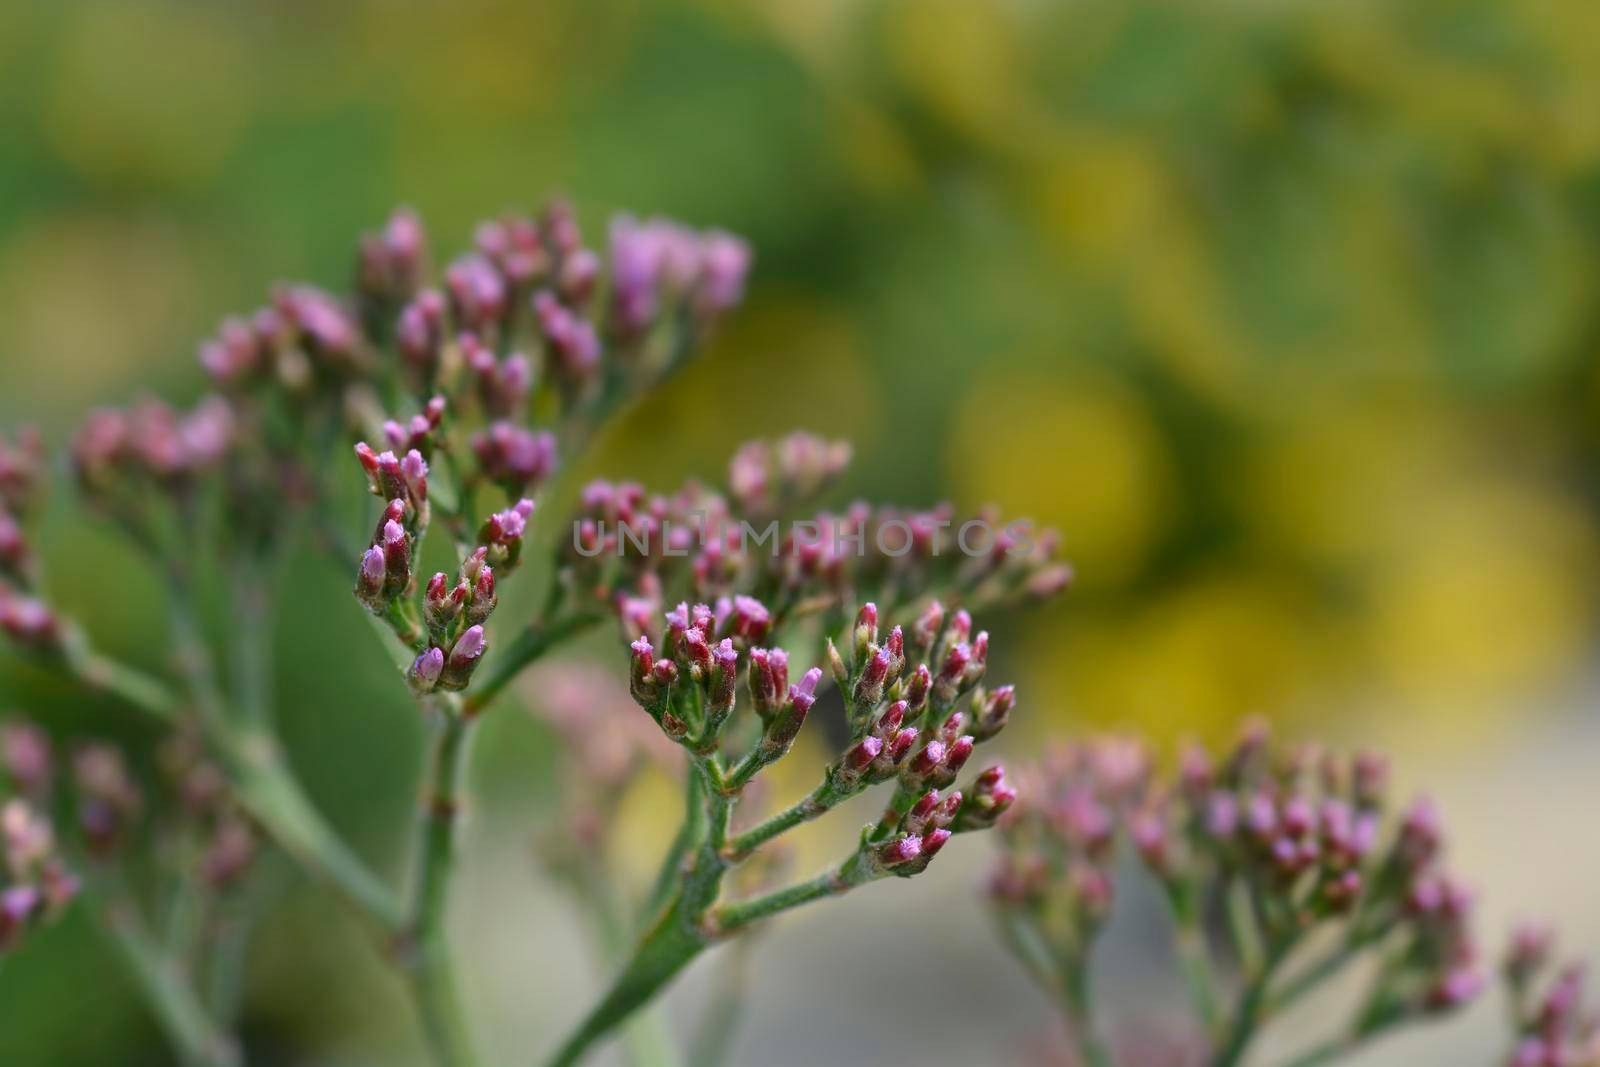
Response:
column 102, row 674
column 1312, row 977
column 666, row 949
column 433, row 979
column 818, row 801
column 713, row 1039
column 1326, row 1052
column 646, row 1038
column 1242, row 926
column 197, row 1040
column 731, row 917
column 252, row 642
column 1189, row 943
column 688, row 838
column 265, row 786
column 1078, row 1001
column 270, row 793
column 1247, row 1017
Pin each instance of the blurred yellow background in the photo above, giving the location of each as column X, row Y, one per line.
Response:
column 1283, row 313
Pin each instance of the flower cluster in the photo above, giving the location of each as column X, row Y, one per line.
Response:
column 24, row 618
column 1054, row 877
column 35, row 883
column 1294, row 847
column 639, row 550
column 910, row 724
column 453, row 617
column 1552, row 1026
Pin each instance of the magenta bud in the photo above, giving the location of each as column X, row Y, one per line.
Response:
column 901, row 744
column 1421, row 835
column 1530, row 949
column 1222, row 815
column 952, row 676
column 697, row 650
column 923, row 809
column 841, row 673
column 896, row 643
column 959, row 752
column 469, row 646
column 724, row 673
column 463, row 658
column 750, row 619
column 372, row 569
column 926, row 629
column 869, row 687
column 901, row 850
column 927, row 761
column 1459, row 986
column 861, row 754
column 889, row 722
column 1299, row 817
column 865, row 634
column 992, row 711
column 643, row 658
column 917, row 690
column 933, row 841
column 950, row 729
column 426, row 669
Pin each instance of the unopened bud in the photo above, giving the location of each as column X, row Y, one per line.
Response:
column 987, row 800
column 841, row 675
column 425, row 670
column 926, row 629
column 724, row 676
column 947, row 686
column 901, row 850
column 750, row 620
column 888, row 723
column 869, row 687
column 463, row 659
column 860, row 756
column 991, row 711
column 483, row 600
column 917, row 690
column 899, row 746
column 927, row 761
column 866, row 631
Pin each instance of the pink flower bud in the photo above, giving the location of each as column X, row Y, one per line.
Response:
column 888, row 723
column 926, row 629
column 959, row 752
column 899, row 746
column 901, row 850
column 927, row 761
column 426, row 669
column 861, row 754
column 917, row 689
column 869, row 687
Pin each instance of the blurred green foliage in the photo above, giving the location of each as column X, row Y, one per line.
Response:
column 1282, row 312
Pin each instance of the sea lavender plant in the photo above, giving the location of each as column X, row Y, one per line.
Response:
column 35, row 881
column 1552, row 1026
column 463, row 392
column 1282, row 869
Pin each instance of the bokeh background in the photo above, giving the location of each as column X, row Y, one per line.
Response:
column 1283, row 313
